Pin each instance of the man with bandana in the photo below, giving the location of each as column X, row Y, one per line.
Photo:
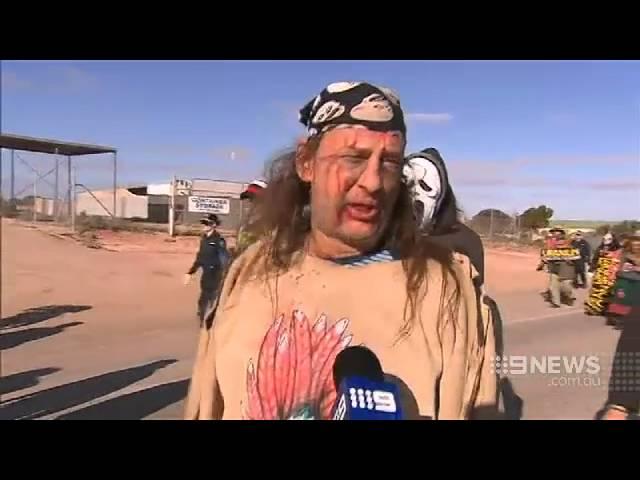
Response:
column 340, row 262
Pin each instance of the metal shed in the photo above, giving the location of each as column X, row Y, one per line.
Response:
column 57, row 148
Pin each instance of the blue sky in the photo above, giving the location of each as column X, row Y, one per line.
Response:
column 513, row 133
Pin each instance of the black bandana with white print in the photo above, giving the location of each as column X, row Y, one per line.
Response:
column 353, row 104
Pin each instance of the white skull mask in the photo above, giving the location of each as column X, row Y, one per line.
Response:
column 425, row 185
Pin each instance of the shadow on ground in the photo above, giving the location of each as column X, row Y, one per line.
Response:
column 512, row 403
column 15, row 339
column 20, row 381
column 35, row 315
column 63, row 397
column 133, row 406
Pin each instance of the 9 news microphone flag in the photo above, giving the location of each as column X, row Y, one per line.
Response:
column 362, row 392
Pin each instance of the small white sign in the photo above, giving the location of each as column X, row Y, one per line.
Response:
column 209, row 205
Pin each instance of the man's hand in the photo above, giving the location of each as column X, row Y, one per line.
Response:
column 186, row 279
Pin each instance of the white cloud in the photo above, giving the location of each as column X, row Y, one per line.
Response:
column 55, row 79
column 432, row 118
column 581, row 160
column 11, row 81
column 74, row 78
column 616, row 184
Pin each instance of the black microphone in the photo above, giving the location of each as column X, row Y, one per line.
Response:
column 363, row 393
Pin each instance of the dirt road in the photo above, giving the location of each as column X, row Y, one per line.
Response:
column 100, row 334
column 81, row 326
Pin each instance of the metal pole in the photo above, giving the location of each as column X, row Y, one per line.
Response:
column 35, row 195
column 491, row 226
column 172, row 207
column 13, row 176
column 69, row 185
column 115, row 182
column 73, row 202
column 56, row 193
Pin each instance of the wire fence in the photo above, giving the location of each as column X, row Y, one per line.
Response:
column 43, row 187
column 495, row 226
column 40, row 186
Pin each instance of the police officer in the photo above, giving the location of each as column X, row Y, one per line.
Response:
column 212, row 257
column 585, row 258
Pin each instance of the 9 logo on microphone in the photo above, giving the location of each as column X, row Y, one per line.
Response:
column 377, row 400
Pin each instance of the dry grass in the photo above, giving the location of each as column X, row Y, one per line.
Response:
column 92, row 223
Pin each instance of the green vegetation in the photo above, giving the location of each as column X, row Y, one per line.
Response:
column 580, row 223
column 601, row 226
column 536, row 217
column 627, row 227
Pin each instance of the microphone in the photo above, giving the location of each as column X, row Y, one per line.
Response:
column 362, row 392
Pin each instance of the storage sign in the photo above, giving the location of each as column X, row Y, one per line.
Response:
column 209, row 205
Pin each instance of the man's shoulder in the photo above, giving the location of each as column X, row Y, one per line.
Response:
column 250, row 255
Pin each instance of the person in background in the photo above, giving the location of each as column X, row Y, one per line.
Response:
column 623, row 400
column 550, row 241
column 624, row 396
column 438, row 216
column 340, row 261
column 604, row 265
column 609, row 244
column 212, row 258
column 585, row 259
column 626, row 289
column 558, row 236
column 436, row 209
column 562, row 273
column 246, row 236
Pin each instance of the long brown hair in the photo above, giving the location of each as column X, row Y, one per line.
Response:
column 285, row 220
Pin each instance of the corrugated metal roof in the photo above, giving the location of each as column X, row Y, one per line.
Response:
column 217, row 187
column 43, row 145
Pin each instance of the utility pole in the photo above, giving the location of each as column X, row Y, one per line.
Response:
column 69, row 184
column 491, row 225
column 72, row 200
column 115, row 185
column 56, row 193
column 172, row 207
column 13, row 176
column 35, row 195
